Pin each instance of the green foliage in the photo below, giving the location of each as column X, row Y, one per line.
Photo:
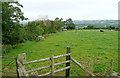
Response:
column 59, row 23
column 49, row 26
column 40, row 27
column 33, row 30
column 39, row 30
column 89, row 47
column 90, row 26
column 6, row 49
column 110, row 27
column 117, row 28
column 69, row 24
column 103, row 28
column 14, row 36
column 11, row 29
column 14, row 33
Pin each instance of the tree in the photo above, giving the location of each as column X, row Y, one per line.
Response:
column 69, row 24
column 90, row 26
column 11, row 15
column 110, row 27
column 33, row 30
column 59, row 23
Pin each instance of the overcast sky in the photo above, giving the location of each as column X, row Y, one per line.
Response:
column 75, row 9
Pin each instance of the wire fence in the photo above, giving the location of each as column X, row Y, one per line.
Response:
column 9, row 66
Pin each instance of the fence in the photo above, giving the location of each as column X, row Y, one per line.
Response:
column 22, row 62
column 21, row 69
column 23, row 72
column 8, row 68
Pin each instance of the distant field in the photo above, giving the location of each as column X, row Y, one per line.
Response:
column 91, row 48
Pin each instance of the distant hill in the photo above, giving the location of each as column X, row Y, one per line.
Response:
column 96, row 23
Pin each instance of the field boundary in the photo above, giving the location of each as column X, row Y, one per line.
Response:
column 4, row 66
column 23, row 72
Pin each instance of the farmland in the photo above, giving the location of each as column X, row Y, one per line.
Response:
column 93, row 49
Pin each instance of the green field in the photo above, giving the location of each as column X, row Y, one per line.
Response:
column 93, row 49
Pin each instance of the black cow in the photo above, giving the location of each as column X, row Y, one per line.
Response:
column 101, row 31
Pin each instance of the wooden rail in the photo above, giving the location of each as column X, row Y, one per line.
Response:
column 55, row 71
column 82, row 67
column 34, row 61
column 22, row 62
column 7, row 57
column 7, row 64
column 52, row 65
column 47, row 66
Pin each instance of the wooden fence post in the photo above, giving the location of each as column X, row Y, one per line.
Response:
column 22, row 57
column 22, row 60
column 68, row 64
column 52, row 65
column 111, row 67
column 17, row 68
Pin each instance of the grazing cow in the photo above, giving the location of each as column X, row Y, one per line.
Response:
column 101, row 31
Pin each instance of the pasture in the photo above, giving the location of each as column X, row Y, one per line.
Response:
column 93, row 49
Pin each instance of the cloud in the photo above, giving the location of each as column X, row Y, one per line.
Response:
column 76, row 9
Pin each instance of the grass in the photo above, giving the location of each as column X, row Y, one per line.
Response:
column 92, row 48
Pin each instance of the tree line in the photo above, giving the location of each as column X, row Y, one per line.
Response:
column 91, row 26
column 13, row 32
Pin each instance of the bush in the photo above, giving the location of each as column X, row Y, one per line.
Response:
column 6, row 49
column 111, row 27
column 90, row 26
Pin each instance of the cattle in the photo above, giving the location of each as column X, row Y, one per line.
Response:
column 101, row 31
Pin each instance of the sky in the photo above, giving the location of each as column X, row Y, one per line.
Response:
column 75, row 9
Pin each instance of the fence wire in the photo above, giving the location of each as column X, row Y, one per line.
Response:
column 8, row 67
